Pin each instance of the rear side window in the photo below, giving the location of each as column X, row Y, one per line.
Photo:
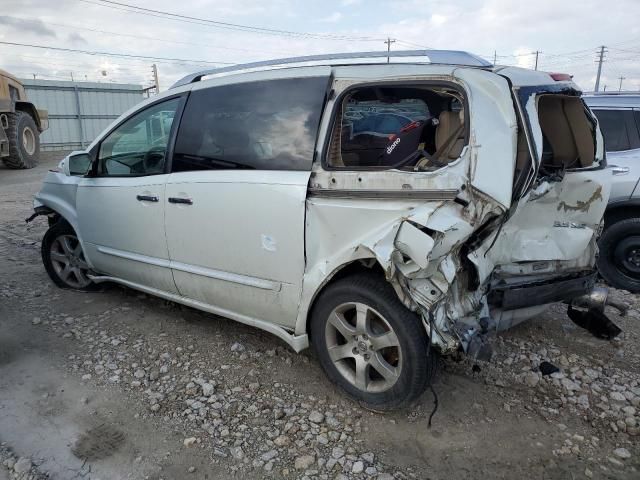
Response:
column 619, row 129
column 403, row 127
column 267, row 125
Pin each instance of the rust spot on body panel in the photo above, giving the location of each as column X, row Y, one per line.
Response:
column 582, row 206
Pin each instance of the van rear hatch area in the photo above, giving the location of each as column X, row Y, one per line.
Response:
column 561, row 131
column 547, row 248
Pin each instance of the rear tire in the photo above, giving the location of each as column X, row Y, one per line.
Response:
column 619, row 260
column 369, row 344
column 24, row 141
column 63, row 258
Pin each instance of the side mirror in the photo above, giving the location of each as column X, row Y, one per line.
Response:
column 77, row 164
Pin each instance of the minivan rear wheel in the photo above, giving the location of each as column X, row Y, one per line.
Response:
column 619, row 260
column 370, row 344
column 64, row 259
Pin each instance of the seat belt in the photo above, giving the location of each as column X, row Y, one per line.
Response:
column 442, row 150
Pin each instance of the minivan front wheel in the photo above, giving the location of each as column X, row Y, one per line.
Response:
column 370, row 344
column 64, row 259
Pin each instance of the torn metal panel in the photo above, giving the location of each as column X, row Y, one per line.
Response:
column 413, row 243
column 556, row 221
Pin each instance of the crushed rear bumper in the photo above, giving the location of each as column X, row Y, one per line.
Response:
column 561, row 289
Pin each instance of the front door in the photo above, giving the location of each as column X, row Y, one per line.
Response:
column 121, row 207
column 235, row 200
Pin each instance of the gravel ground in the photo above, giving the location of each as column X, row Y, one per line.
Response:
column 116, row 384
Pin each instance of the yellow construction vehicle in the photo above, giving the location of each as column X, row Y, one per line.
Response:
column 20, row 124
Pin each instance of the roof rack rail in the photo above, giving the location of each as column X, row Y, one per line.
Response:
column 612, row 93
column 445, row 57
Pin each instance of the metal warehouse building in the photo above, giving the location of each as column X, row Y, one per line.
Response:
column 79, row 111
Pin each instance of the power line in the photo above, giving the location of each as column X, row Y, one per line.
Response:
column 624, row 50
column 411, row 44
column 111, row 54
column 62, row 64
column 226, row 25
column 157, row 39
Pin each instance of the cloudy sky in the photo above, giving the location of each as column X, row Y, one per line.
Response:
column 567, row 33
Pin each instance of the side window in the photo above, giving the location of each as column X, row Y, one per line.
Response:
column 618, row 129
column 386, row 127
column 265, row 125
column 139, row 145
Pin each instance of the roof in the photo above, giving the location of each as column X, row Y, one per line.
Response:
column 613, row 99
column 440, row 57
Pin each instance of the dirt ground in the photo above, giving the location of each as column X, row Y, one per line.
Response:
column 115, row 384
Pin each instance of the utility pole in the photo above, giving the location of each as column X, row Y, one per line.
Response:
column 389, row 41
column 495, row 57
column 156, row 82
column 620, row 78
column 537, row 53
column 600, row 60
column 72, row 76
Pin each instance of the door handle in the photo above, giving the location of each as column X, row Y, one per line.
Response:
column 619, row 170
column 183, row 201
column 147, row 198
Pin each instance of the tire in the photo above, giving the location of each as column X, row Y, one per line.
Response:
column 408, row 365
column 24, row 141
column 619, row 260
column 63, row 258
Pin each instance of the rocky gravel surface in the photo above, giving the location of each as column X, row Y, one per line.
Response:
column 190, row 395
column 19, row 467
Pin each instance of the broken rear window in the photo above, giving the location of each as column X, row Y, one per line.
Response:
column 384, row 127
column 567, row 132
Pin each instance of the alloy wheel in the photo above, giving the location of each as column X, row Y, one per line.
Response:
column 363, row 347
column 68, row 261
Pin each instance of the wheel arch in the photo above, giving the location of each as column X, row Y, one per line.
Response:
column 29, row 109
column 57, row 210
column 348, row 268
column 621, row 210
column 52, row 205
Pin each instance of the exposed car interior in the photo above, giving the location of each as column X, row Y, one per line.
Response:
column 411, row 128
column 568, row 132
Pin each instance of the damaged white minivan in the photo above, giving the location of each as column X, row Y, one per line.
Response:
column 381, row 207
